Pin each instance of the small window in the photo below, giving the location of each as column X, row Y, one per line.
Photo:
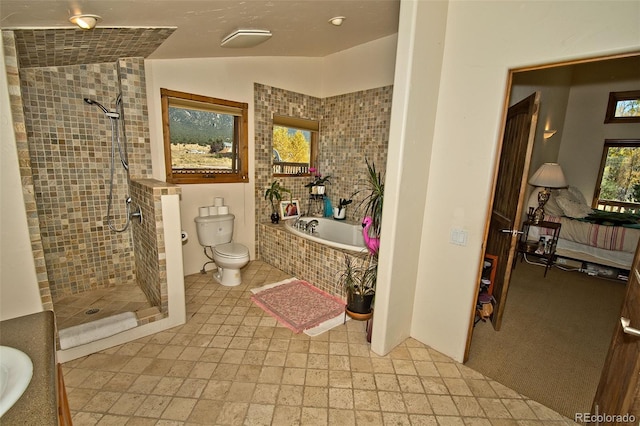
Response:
column 294, row 145
column 205, row 139
column 619, row 177
column 623, row 107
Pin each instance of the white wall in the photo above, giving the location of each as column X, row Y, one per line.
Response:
column 363, row 67
column 19, row 293
column 484, row 39
column 554, row 85
column 584, row 131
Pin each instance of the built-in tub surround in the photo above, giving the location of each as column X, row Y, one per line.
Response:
column 354, row 127
column 315, row 262
column 333, row 233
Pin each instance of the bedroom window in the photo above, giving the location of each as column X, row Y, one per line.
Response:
column 619, row 177
column 295, row 142
column 205, row 139
column 623, row 107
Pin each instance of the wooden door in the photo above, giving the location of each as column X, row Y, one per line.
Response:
column 511, row 182
column 619, row 389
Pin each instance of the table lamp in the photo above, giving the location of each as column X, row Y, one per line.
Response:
column 548, row 176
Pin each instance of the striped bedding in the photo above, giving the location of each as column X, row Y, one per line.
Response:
column 606, row 237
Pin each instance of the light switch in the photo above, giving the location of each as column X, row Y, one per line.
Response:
column 458, row 237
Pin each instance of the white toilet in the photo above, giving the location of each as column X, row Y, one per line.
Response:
column 216, row 232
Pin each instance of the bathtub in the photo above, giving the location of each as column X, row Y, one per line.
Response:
column 333, row 233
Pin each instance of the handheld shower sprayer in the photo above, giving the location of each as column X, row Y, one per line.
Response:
column 110, row 114
column 114, row 117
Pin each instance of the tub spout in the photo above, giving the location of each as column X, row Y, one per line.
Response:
column 311, row 226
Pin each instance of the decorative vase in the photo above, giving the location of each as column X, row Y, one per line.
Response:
column 275, row 217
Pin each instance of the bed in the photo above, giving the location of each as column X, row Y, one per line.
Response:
column 588, row 235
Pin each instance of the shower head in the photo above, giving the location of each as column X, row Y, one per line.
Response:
column 92, row 102
column 99, row 105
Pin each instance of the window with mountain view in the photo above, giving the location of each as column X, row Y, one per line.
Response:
column 619, row 180
column 205, row 139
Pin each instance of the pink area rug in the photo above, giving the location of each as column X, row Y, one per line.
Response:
column 297, row 305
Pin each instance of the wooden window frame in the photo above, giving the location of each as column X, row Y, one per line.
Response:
column 614, row 98
column 240, row 149
column 312, row 126
column 613, row 143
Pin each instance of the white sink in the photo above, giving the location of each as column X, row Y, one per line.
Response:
column 16, row 370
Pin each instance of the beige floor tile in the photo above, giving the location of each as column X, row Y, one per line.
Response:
column 233, row 364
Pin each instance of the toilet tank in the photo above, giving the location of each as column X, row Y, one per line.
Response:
column 214, row 230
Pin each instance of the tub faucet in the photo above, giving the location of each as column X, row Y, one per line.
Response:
column 311, row 226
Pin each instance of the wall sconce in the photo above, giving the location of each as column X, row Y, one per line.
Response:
column 337, row 21
column 548, row 133
column 86, row 22
column 549, row 175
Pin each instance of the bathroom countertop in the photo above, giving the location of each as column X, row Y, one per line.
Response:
column 34, row 335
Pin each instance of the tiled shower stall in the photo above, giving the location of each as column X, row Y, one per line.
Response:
column 65, row 151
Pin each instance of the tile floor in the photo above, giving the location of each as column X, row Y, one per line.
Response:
column 76, row 309
column 232, row 364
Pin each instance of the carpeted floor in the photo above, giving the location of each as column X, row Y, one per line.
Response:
column 554, row 338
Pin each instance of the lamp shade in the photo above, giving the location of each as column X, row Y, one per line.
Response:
column 549, row 175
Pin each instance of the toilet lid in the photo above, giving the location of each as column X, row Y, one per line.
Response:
column 231, row 250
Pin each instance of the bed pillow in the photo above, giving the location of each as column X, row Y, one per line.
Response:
column 572, row 203
column 552, row 208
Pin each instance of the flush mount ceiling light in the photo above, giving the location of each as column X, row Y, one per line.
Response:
column 86, row 22
column 245, row 38
column 337, row 21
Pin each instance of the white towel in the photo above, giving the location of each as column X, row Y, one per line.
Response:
column 96, row 330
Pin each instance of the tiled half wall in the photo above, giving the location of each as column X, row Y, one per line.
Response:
column 307, row 260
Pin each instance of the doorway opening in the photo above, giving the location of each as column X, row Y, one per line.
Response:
column 573, row 103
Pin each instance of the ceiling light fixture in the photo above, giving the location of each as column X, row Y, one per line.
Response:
column 86, row 22
column 245, row 38
column 337, row 21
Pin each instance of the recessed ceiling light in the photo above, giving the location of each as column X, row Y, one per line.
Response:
column 86, row 22
column 337, row 21
column 246, row 38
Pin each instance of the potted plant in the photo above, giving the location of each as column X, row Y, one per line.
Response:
column 275, row 192
column 373, row 199
column 316, row 186
column 359, row 282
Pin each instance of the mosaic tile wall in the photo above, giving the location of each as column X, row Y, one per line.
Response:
column 69, row 147
column 353, row 127
column 148, row 240
column 28, row 191
column 73, row 46
column 301, row 258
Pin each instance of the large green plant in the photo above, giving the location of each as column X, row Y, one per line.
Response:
column 359, row 278
column 374, row 196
